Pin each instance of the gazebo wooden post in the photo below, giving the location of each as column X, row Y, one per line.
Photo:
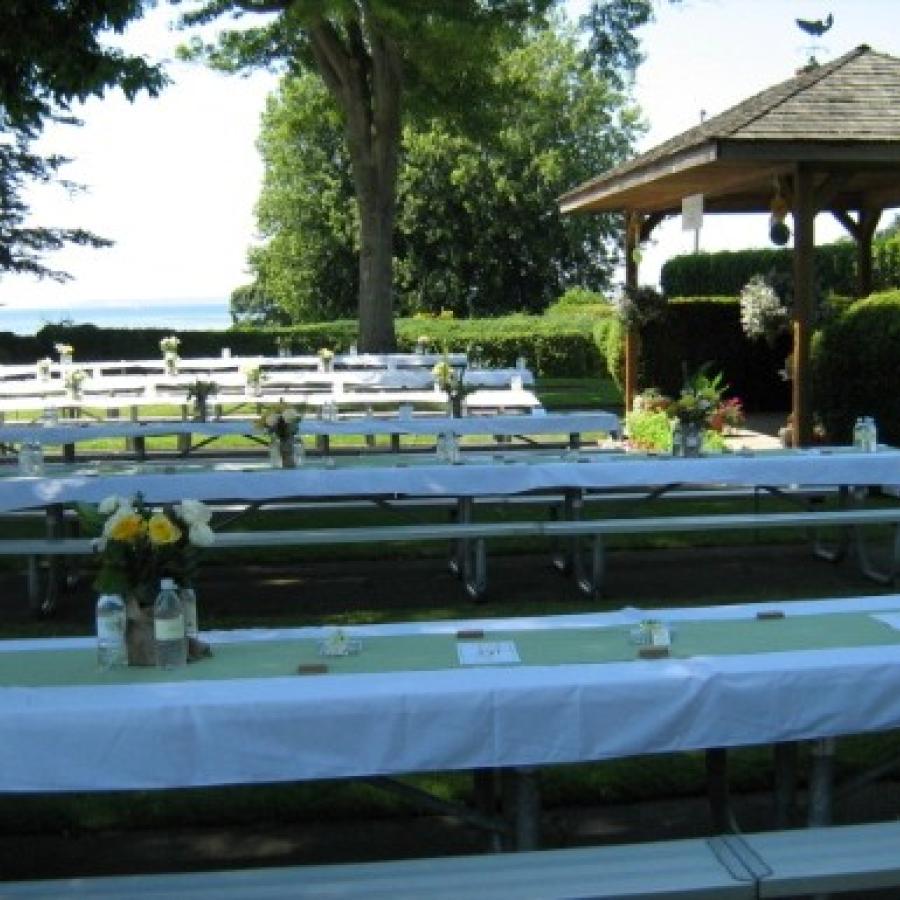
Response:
column 632, row 337
column 862, row 230
column 804, row 244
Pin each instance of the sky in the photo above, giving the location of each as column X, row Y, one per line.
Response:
column 173, row 180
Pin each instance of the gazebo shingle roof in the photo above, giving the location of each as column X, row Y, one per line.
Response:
column 849, row 107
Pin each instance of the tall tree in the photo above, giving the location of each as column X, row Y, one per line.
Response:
column 478, row 230
column 378, row 58
column 50, row 58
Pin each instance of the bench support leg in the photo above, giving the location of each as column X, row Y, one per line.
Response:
column 522, row 806
column 468, row 558
column 717, row 790
column 785, row 759
column 821, row 783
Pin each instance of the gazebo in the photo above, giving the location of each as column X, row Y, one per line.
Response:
column 826, row 140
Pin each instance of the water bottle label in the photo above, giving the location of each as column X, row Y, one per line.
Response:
column 111, row 628
column 169, row 629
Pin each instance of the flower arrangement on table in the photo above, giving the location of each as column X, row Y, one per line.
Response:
column 199, row 392
column 282, row 423
column 139, row 546
column 65, row 351
column 169, row 346
column 702, row 408
column 43, row 368
column 326, row 358
column 422, row 343
column 701, row 411
column 73, row 381
column 448, row 380
column 284, row 345
column 253, row 375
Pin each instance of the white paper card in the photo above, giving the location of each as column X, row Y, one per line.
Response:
column 487, row 653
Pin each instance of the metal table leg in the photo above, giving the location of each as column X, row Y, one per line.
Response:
column 821, row 783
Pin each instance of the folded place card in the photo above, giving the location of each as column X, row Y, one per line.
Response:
column 487, row 653
column 312, row 669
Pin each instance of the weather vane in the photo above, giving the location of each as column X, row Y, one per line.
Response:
column 815, row 28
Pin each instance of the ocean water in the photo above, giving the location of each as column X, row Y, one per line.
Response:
column 211, row 315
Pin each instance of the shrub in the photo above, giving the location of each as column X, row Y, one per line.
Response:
column 711, row 274
column 854, row 368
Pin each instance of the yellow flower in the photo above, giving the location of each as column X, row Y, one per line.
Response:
column 162, row 530
column 128, row 528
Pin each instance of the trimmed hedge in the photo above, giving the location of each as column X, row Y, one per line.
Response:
column 855, row 361
column 713, row 274
column 560, row 345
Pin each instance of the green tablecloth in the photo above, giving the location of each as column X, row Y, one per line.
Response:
column 409, row 653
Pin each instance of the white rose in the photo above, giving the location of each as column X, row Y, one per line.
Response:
column 111, row 504
column 201, row 535
column 193, row 512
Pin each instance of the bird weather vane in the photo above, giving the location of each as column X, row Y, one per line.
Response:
column 815, row 28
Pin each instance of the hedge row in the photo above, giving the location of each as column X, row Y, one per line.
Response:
column 713, row 274
column 855, row 360
column 557, row 346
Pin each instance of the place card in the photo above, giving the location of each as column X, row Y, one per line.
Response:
column 312, row 669
column 770, row 614
column 653, row 651
column 487, row 653
column 469, row 634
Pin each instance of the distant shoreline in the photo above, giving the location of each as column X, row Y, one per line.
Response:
column 198, row 315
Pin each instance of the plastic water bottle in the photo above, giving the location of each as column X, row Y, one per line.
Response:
column 168, row 627
column 111, row 652
column 871, row 444
column 859, row 437
column 677, row 438
column 189, row 608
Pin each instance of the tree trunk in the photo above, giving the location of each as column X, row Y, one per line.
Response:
column 363, row 71
column 376, row 263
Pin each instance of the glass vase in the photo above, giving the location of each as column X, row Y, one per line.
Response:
column 170, row 361
column 691, row 438
column 140, row 643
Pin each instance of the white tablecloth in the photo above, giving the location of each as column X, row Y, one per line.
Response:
column 334, row 726
column 479, row 474
column 511, row 424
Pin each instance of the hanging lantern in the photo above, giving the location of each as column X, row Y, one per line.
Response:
column 779, row 233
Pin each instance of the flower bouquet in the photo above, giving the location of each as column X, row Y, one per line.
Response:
column 66, row 353
column 169, row 346
column 199, row 392
column 253, row 375
column 73, row 382
column 326, row 359
column 138, row 546
column 701, row 408
column 447, row 379
column 43, row 368
column 281, row 423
